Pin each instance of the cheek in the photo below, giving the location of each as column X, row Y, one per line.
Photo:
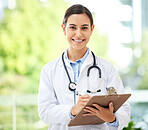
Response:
column 87, row 35
column 68, row 37
column 69, row 34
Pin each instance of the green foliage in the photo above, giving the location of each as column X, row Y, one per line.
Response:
column 131, row 126
column 138, row 68
column 28, row 39
column 99, row 44
column 26, row 118
column 142, row 63
column 5, row 116
column 30, row 36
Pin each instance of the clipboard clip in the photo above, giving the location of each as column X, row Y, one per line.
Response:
column 111, row 91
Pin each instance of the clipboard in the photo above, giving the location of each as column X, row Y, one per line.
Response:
column 102, row 100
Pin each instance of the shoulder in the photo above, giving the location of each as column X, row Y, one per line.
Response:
column 52, row 65
column 105, row 65
column 104, row 62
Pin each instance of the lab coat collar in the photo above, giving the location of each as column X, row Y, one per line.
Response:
column 81, row 60
column 65, row 60
column 88, row 61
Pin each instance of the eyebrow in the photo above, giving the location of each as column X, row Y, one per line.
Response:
column 72, row 25
column 85, row 25
column 76, row 25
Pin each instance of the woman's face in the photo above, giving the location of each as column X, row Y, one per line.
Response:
column 78, row 31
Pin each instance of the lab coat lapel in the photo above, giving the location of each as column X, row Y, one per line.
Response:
column 66, row 62
column 87, row 62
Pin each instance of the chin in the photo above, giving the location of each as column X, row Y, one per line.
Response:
column 78, row 48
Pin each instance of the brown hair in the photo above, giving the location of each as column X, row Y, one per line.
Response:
column 77, row 9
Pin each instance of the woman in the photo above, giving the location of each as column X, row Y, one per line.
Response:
column 64, row 88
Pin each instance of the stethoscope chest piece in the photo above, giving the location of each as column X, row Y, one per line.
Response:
column 72, row 86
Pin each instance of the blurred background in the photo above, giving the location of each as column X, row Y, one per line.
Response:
column 31, row 35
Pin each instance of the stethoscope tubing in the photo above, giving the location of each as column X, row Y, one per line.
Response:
column 66, row 68
column 72, row 85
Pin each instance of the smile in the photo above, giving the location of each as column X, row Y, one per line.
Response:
column 78, row 41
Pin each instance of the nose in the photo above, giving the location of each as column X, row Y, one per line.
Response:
column 78, row 33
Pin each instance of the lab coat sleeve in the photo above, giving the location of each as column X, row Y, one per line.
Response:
column 123, row 113
column 50, row 111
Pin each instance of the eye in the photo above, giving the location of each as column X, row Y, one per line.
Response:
column 72, row 27
column 84, row 28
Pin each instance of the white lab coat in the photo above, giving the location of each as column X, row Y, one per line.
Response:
column 55, row 99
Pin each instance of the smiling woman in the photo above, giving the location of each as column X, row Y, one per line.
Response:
column 78, row 30
column 65, row 88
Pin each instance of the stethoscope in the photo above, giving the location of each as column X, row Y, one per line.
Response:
column 72, row 85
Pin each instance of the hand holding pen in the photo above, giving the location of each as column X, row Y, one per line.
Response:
column 82, row 101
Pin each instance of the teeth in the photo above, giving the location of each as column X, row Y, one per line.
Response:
column 78, row 40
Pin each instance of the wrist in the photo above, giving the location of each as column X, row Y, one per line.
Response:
column 113, row 119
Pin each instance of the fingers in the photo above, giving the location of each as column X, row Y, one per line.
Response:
column 94, row 109
column 83, row 99
column 105, row 114
column 97, row 106
column 90, row 111
column 111, row 107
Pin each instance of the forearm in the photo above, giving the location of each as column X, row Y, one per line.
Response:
column 54, row 114
column 49, row 109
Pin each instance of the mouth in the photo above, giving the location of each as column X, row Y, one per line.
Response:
column 78, row 41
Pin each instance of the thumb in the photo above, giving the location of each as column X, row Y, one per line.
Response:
column 111, row 107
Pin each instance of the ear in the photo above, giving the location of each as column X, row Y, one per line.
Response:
column 64, row 28
column 92, row 28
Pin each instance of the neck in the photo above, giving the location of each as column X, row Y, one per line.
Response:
column 75, row 55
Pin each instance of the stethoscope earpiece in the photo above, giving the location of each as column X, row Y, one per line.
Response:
column 88, row 91
column 99, row 90
column 94, row 92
